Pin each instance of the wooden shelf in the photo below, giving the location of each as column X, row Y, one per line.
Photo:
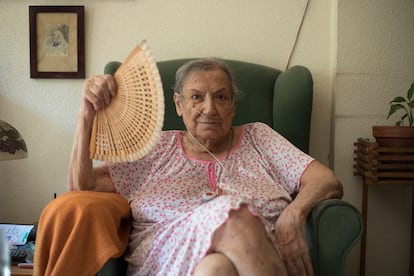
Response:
column 383, row 165
column 17, row 271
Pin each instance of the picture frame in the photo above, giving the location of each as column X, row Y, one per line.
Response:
column 57, row 42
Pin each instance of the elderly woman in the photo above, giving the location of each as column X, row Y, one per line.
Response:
column 214, row 199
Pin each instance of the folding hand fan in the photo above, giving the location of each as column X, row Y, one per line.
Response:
column 130, row 126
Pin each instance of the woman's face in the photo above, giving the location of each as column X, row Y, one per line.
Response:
column 207, row 105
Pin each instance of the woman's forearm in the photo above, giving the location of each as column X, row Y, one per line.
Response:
column 97, row 94
column 318, row 183
column 81, row 175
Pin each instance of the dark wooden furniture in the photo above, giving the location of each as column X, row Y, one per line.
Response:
column 382, row 166
column 17, row 271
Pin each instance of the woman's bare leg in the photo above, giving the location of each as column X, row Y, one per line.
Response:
column 215, row 264
column 243, row 240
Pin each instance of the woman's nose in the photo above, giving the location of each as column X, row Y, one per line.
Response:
column 209, row 106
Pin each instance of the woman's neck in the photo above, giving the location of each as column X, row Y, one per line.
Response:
column 197, row 147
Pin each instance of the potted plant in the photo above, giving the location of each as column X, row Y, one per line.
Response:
column 402, row 134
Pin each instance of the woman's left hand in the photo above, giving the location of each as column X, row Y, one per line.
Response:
column 291, row 239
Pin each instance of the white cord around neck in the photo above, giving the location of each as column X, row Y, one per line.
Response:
column 209, row 152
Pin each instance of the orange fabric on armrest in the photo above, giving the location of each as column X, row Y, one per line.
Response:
column 79, row 231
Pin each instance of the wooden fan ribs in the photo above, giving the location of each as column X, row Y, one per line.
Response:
column 130, row 127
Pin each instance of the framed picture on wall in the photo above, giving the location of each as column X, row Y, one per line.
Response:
column 57, row 42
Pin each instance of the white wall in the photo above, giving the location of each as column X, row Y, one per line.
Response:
column 375, row 63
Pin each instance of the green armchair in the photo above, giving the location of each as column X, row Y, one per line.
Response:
column 283, row 100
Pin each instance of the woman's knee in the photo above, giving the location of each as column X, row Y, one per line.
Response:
column 244, row 225
column 215, row 264
column 244, row 240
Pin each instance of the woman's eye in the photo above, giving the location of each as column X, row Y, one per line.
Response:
column 222, row 97
column 195, row 97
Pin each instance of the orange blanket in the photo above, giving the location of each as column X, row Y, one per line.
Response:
column 79, row 231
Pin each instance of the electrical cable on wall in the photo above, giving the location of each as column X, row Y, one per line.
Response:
column 297, row 34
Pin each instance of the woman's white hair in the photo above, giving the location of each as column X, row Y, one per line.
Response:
column 205, row 64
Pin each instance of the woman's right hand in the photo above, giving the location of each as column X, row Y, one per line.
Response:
column 97, row 94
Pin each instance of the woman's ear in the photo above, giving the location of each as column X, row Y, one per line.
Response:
column 177, row 102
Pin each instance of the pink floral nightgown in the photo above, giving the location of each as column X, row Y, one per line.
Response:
column 172, row 226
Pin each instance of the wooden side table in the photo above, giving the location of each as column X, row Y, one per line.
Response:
column 382, row 166
column 17, row 271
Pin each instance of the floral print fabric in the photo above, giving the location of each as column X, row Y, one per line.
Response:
column 172, row 225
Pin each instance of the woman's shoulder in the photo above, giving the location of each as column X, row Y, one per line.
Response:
column 257, row 128
column 260, row 133
column 167, row 139
column 167, row 135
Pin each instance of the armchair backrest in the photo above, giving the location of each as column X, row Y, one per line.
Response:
column 283, row 100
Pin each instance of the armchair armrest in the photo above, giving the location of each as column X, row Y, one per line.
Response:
column 114, row 266
column 333, row 228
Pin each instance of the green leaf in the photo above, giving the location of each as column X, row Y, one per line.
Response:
column 398, row 123
column 397, row 100
column 411, row 103
column 394, row 108
column 410, row 92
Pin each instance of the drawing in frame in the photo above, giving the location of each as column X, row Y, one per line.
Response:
column 57, row 42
